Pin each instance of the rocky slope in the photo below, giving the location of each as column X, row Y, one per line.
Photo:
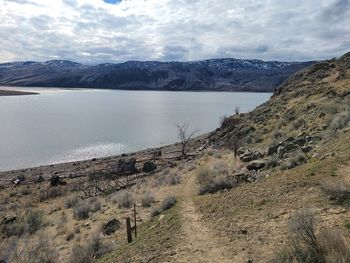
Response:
column 311, row 106
column 215, row 74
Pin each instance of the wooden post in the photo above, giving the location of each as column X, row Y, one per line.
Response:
column 128, row 229
column 135, row 220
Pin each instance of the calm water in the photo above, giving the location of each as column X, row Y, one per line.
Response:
column 68, row 125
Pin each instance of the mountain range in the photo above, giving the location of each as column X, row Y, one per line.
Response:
column 211, row 75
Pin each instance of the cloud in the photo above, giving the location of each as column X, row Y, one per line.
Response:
column 93, row 31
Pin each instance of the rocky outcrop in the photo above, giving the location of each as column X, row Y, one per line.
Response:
column 111, row 227
column 256, row 165
column 55, row 180
column 126, row 166
column 149, row 167
column 247, row 156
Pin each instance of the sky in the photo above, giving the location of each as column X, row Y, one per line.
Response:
column 99, row 31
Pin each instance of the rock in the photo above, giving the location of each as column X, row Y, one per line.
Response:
column 157, row 153
column 127, row 166
column 40, row 179
column 242, row 151
column 306, row 149
column 8, row 219
column 55, row 180
column 290, row 146
column 242, row 176
column 149, row 167
column 244, row 231
column 250, row 156
column 289, row 139
column 301, row 141
column 256, row 165
column 272, row 149
column 281, row 150
column 111, row 226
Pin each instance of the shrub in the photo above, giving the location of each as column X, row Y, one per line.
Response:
column 340, row 120
column 166, row 204
column 81, row 210
column 277, row 134
column 305, row 246
column 271, row 162
column 124, row 199
column 34, row 221
column 300, row 158
column 26, row 191
column 95, row 204
column 98, row 247
column 94, row 248
column 339, row 192
column 147, row 199
column 80, row 254
column 168, row 180
column 16, row 228
column 298, row 124
column 71, row 201
column 51, row 193
column 34, row 250
column 211, row 180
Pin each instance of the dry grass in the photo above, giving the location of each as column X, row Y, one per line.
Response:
column 214, row 179
column 304, row 246
column 339, row 192
column 166, row 204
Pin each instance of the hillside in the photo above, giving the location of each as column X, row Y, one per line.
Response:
column 284, row 198
column 216, row 75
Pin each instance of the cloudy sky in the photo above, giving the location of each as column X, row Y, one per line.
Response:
column 96, row 31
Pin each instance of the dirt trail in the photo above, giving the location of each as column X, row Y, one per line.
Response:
column 198, row 244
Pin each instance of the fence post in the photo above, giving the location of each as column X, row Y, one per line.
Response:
column 135, row 220
column 128, row 229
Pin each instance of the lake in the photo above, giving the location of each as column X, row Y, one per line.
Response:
column 69, row 125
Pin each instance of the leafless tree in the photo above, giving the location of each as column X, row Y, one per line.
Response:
column 99, row 183
column 185, row 136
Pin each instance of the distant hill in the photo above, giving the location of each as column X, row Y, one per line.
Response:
column 216, row 75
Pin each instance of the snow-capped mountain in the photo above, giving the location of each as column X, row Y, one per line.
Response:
column 215, row 74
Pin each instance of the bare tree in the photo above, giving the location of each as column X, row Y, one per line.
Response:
column 99, row 183
column 185, row 136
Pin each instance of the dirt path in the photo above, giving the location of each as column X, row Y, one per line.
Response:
column 198, row 244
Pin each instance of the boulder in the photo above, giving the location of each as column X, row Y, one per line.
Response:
column 272, row 149
column 242, row 176
column 127, row 166
column 281, row 150
column 149, row 167
column 306, row 149
column 111, row 226
column 8, row 219
column 256, row 165
column 290, row 146
column 55, row 180
column 250, row 156
column 242, row 151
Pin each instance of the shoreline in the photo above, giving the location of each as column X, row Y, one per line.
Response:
column 136, row 89
column 5, row 92
column 83, row 168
